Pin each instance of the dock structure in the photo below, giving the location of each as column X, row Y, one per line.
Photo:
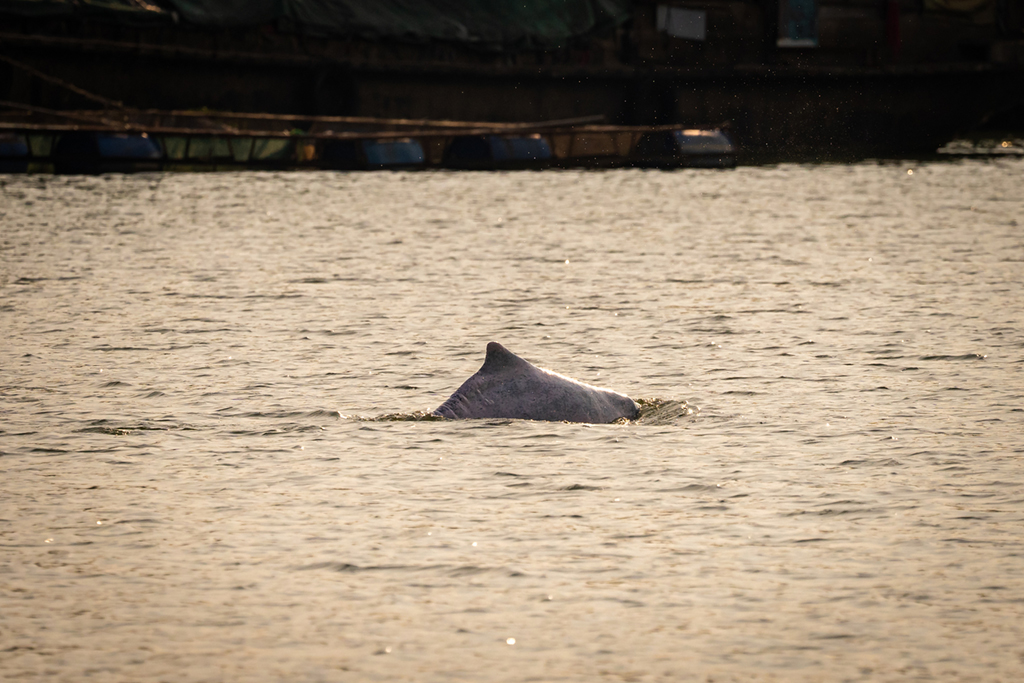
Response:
column 90, row 141
column 790, row 79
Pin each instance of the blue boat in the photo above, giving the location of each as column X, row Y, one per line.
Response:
column 370, row 155
column 684, row 148
column 14, row 153
column 97, row 152
column 498, row 152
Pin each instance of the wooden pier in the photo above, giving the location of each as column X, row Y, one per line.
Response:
column 123, row 139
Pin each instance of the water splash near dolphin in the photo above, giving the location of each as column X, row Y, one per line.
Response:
column 506, row 386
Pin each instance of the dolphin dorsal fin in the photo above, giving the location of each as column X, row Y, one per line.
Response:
column 499, row 359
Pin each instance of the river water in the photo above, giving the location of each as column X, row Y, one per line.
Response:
column 212, row 468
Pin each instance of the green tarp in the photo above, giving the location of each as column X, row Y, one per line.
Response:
column 494, row 23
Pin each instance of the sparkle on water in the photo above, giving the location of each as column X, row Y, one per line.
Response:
column 218, row 461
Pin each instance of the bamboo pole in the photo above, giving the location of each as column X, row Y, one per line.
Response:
column 326, row 135
column 368, row 120
column 88, row 118
column 110, row 104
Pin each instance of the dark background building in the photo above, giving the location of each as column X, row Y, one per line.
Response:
column 789, row 78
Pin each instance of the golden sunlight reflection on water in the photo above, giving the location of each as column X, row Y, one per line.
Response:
column 219, row 463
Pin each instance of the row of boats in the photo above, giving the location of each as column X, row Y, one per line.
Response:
column 151, row 141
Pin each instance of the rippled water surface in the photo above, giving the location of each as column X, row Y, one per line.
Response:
column 206, row 473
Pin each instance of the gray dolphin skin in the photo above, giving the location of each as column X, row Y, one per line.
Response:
column 509, row 387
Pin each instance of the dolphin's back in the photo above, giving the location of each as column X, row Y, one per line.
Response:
column 506, row 386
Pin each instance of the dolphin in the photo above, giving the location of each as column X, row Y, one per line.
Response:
column 506, row 386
